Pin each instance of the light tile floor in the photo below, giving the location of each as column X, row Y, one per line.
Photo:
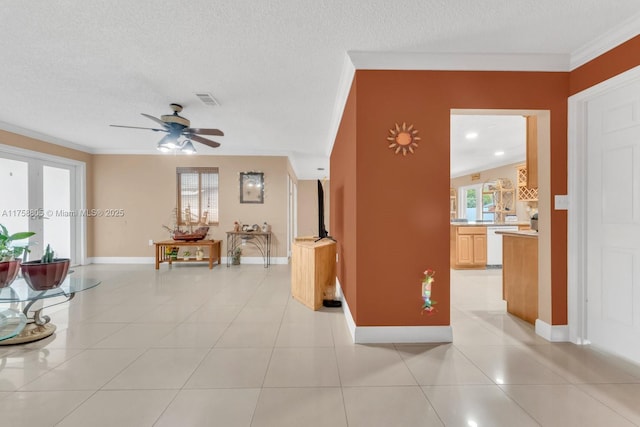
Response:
column 187, row 346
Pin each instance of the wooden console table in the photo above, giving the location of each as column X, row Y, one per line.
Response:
column 213, row 254
column 260, row 240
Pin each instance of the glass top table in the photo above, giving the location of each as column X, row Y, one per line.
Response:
column 19, row 291
column 29, row 324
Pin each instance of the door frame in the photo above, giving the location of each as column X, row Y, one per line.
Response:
column 79, row 233
column 577, row 237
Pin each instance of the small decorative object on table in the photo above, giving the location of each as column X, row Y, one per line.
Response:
column 199, row 253
column 172, row 252
column 186, row 255
column 236, row 226
column 426, row 291
column 46, row 273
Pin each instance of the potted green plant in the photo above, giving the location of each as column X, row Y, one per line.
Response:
column 186, row 255
column 46, row 273
column 235, row 260
column 10, row 254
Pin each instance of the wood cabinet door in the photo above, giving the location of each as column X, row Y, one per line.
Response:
column 465, row 249
column 479, row 249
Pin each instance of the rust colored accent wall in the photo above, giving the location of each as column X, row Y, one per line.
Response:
column 401, row 208
column 618, row 60
column 343, row 168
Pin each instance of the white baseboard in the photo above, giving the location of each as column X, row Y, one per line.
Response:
column 151, row 260
column 553, row 333
column 392, row 334
column 259, row 260
column 120, row 260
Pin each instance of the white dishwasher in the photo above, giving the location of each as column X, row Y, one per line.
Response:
column 494, row 244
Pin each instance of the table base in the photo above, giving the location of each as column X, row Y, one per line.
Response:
column 31, row 332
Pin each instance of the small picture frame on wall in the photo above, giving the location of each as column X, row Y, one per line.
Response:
column 251, row 187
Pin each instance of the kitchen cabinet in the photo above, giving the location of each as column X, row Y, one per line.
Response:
column 468, row 247
column 532, row 151
column 520, row 274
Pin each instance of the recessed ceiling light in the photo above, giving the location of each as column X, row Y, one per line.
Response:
column 471, row 135
column 499, row 153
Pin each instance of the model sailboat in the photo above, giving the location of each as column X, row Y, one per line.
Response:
column 189, row 234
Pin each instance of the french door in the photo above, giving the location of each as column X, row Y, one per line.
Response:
column 42, row 196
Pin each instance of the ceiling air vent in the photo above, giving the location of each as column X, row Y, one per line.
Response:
column 207, row 99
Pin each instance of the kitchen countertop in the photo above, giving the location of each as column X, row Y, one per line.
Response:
column 489, row 224
column 521, row 233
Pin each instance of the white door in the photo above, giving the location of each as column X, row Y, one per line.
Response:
column 613, row 221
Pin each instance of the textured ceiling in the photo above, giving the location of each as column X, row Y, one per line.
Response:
column 70, row 68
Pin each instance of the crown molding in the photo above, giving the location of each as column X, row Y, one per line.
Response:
column 44, row 137
column 458, row 62
column 612, row 38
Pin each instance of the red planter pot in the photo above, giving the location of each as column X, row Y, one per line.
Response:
column 41, row 277
column 8, row 272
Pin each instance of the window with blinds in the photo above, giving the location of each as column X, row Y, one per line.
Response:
column 197, row 196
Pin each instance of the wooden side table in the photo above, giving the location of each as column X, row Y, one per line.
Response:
column 214, row 247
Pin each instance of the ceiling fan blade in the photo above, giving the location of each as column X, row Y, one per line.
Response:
column 200, row 131
column 205, row 141
column 138, row 127
column 155, row 119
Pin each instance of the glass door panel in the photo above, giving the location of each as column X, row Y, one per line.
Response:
column 14, row 202
column 57, row 228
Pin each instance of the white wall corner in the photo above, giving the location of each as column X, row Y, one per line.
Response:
column 553, row 333
column 351, row 325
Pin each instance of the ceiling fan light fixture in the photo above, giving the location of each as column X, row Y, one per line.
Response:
column 162, row 148
column 168, row 142
column 188, row 148
column 176, row 128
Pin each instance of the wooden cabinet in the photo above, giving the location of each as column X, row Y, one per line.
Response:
column 468, row 247
column 313, row 271
column 520, row 275
column 532, row 151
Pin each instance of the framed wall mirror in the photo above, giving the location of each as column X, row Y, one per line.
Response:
column 251, row 187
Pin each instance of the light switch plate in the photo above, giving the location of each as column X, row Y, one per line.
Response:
column 561, row 202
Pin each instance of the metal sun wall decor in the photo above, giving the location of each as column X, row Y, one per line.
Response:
column 403, row 139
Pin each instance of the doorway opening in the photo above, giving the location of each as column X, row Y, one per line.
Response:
column 486, row 146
